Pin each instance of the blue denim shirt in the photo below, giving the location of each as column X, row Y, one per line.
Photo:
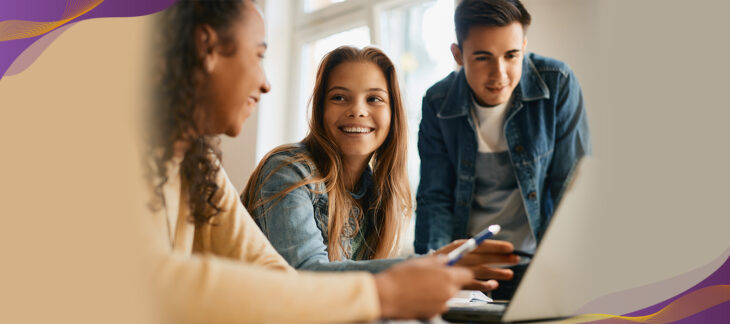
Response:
column 296, row 224
column 547, row 133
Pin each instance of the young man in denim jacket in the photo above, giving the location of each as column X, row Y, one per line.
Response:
column 499, row 138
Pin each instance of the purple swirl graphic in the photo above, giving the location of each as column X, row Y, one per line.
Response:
column 28, row 17
column 716, row 314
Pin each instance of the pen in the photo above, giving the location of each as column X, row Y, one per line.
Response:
column 522, row 253
column 471, row 244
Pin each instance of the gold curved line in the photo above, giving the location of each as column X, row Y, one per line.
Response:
column 19, row 29
column 680, row 308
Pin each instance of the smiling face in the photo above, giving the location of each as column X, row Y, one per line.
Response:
column 357, row 109
column 236, row 81
column 492, row 60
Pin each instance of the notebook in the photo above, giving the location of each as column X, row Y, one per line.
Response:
column 468, row 297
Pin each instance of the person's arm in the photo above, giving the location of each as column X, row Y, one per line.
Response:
column 232, row 232
column 195, row 289
column 234, row 287
column 208, row 288
column 290, row 225
column 573, row 139
column 434, row 223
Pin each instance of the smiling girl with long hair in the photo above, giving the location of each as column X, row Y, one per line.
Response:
column 347, row 178
column 340, row 199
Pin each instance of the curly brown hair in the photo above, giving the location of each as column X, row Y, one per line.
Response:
column 177, row 95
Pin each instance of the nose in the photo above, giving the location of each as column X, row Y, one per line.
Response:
column 266, row 86
column 358, row 109
column 499, row 69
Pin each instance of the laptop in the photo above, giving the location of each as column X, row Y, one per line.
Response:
column 537, row 297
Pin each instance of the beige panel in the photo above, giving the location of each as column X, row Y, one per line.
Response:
column 69, row 167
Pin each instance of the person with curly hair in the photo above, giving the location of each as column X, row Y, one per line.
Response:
column 209, row 262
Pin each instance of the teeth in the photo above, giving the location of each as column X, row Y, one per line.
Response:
column 356, row 130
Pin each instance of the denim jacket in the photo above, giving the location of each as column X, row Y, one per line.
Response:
column 296, row 224
column 547, row 133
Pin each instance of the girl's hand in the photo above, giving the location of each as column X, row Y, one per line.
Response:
column 419, row 288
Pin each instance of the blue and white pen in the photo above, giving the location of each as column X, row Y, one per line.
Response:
column 471, row 244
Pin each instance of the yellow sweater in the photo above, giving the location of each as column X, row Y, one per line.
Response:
column 230, row 273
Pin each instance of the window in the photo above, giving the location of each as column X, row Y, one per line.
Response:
column 314, row 5
column 419, row 48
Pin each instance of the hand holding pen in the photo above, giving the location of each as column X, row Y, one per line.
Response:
column 472, row 243
column 482, row 258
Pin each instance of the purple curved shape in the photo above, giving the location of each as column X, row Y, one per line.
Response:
column 30, row 54
column 666, row 287
column 9, row 50
column 128, row 8
column 721, row 276
column 716, row 314
column 51, row 10
column 32, row 10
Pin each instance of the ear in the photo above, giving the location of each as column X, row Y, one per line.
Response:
column 456, row 52
column 524, row 44
column 205, row 42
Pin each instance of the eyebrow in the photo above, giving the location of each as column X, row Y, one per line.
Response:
column 378, row 89
column 346, row 89
column 490, row 53
column 337, row 88
column 264, row 45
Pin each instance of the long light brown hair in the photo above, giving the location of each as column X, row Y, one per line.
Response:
column 390, row 204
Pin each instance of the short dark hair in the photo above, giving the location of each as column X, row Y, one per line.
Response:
column 470, row 13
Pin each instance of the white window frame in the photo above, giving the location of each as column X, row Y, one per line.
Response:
column 309, row 27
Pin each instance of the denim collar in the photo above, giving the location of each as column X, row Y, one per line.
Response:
column 366, row 179
column 365, row 182
column 458, row 98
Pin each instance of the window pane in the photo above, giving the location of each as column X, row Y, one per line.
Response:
column 417, row 37
column 313, row 5
column 312, row 54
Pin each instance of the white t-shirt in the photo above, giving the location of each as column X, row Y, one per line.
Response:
column 490, row 123
column 497, row 198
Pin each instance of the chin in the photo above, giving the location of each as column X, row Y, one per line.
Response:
column 356, row 153
column 234, row 131
column 497, row 101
